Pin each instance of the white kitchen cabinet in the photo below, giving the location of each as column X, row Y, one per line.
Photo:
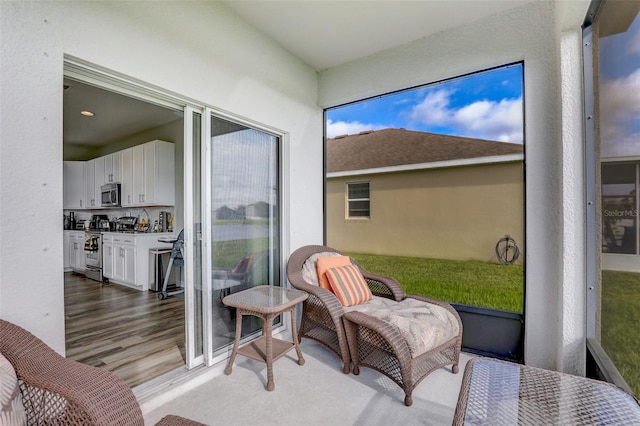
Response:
column 90, row 199
column 65, row 250
column 125, row 257
column 107, row 256
column 76, row 251
column 126, row 181
column 81, row 187
column 112, row 167
column 74, row 191
column 119, row 258
column 137, row 175
column 98, row 181
column 148, row 175
column 105, row 169
column 124, row 267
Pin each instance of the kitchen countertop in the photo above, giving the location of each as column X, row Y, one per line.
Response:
column 157, row 234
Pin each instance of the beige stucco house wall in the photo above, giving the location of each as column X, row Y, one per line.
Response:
column 445, row 213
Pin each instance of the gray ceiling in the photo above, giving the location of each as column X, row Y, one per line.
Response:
column 326, row 33
column 116, row 116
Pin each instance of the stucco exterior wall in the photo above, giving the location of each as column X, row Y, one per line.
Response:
column 455, row 213
column 545, row 35
column 199, row 50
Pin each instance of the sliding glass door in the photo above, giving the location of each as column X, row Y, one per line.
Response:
column 241, row 221
column 194, row 324
column 229, row 210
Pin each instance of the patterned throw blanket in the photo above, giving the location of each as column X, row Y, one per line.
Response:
column 423, row 325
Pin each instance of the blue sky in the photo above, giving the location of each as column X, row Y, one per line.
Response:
column 486, row 105
column 620, row 92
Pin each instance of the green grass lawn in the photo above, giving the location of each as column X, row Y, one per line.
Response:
column 620, row 323
column 227, row 253
column 501, row 287
column 484, row 284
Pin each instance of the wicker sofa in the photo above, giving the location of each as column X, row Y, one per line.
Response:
column 374, row 334
column 58, row 391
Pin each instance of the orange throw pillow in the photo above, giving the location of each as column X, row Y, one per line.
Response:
column 349, row 285
column 328, row 262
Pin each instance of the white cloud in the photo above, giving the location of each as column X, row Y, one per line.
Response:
column 619, row 110
column 623, row 145
column 620, row 98
column 433, row 110
column 500, row 121
column 633, row 47
column 492, row 120
column 339, row 128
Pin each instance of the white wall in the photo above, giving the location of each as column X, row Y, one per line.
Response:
column 539, row 33
column 196, row 49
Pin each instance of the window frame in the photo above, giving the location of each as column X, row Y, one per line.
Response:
column 348, row 200
column 506, row 341
column 599, row 364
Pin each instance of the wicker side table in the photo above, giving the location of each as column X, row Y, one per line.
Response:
column 503, row 393
column 266, row 302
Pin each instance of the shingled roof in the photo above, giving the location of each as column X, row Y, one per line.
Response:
column 395, row 147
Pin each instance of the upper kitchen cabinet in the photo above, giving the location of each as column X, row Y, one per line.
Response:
column 112, row 167
column 92, row 191
column 73, row 183
column 82, row 182
column 148, row 175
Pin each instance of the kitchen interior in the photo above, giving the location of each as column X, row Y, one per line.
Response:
column 122, row 214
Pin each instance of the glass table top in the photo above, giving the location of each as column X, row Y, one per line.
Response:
column 265, row 298
column 502, row 393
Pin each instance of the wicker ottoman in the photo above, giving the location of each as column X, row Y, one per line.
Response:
column 382, row 336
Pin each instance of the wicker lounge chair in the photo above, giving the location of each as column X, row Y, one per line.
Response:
column 362, row 333
column 322, row 312
column 58, row 391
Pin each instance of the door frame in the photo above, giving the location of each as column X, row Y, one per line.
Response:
column 78, row 69
column 213, row 355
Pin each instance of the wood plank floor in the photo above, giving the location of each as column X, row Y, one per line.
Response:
column 129, row 332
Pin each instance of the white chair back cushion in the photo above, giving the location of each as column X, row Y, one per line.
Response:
column 309, row 271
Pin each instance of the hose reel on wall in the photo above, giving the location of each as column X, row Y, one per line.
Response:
column 507, row 250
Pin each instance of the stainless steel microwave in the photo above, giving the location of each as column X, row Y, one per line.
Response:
column 110, row 195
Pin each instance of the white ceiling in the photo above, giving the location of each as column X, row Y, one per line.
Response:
column 322, row 33
column 326, row 33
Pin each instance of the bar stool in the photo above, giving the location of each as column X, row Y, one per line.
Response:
column 176, row 259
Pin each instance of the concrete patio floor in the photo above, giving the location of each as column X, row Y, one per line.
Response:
column 317, row 393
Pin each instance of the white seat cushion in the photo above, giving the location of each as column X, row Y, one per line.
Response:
column 11, row 408
column 424, row 326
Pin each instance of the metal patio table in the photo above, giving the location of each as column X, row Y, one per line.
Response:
column 266, row 302
column 503, row 393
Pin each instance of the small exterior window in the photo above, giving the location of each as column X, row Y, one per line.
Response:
column 358, row 201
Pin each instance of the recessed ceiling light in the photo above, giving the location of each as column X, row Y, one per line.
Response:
column 87, row 113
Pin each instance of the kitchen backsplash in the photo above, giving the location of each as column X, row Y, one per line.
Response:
column 149, row 214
